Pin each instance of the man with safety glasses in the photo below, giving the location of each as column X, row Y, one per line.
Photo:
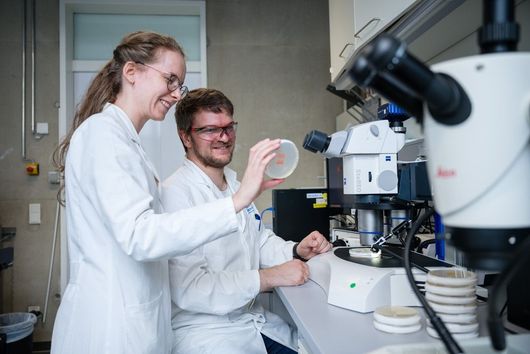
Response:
column 213, row 288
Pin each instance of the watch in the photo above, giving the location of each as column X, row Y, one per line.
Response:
column 296, row 255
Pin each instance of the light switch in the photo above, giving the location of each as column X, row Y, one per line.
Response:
column 34, row 214
column 42, row 128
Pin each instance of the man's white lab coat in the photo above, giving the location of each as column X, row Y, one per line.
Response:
column 117, row 300
column 213, row 288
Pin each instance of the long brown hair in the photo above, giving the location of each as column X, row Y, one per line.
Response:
column 136, row 47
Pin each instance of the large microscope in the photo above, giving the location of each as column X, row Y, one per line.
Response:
column 379, row 186
column 379, row 190
column 475, row 115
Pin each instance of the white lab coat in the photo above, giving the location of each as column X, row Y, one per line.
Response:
column 117, row 300
column 213, row 288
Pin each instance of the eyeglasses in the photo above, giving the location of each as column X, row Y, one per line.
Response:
column 173, row 82
column 212, row 132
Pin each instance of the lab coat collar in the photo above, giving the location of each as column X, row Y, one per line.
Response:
column 233, row 185
column 230, row 175
column 133, row 134
column 118, row 112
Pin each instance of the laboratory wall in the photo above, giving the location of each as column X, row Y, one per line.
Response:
column 270, row 57
column 24, row 284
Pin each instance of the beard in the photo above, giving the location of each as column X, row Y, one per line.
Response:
column 208, row 160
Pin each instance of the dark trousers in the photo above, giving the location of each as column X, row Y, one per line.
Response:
column 274, row 347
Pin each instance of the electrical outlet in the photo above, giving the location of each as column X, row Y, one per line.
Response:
column 35, row 308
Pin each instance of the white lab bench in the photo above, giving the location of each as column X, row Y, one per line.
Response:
column 327, row 329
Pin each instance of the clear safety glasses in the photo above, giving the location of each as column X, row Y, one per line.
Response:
column 212, row 132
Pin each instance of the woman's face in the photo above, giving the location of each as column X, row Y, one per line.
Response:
column 152, row 91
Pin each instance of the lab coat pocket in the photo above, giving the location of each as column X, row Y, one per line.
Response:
column 145, row 327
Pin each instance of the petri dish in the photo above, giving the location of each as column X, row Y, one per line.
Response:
column 459, row 327
column 363, row 252
column 397, row 329
column 432, row 332
column 450, row 300
column 452, row 277
column 453, row 309
column 458, row 318
column 450, row 290
column 285, row 161
column 397, row 315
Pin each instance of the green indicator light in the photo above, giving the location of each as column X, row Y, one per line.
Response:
column 353, row 285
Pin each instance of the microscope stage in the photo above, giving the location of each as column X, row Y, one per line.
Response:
column 364, row 284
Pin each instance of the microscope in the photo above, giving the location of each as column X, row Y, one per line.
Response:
column 376, row 183
column 372, row 175
column 475, row 115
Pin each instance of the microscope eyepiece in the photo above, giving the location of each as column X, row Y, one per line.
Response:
column 316, row 141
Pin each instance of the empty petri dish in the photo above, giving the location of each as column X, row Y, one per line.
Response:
column 450, row 300
column 285, row 161
column 458, row 318
column 459, row 327
column 450, row 290
column 452, row 277
column 432, row 332
column 397, row 329
column 453, row 309
column 363, row 252
column 397, row 315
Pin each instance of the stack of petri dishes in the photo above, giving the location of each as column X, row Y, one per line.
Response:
column 397, row 319
column 451, row 293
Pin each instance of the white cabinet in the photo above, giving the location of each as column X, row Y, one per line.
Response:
column 353, row 22
column 370, row 16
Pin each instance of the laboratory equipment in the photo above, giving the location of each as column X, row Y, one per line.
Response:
column 470, row 176
column 376, row 187
column 298, row 212
column 475, row 116
column 285, row 161
column 362, row 283
column 451, row 293
column 369, row 171
column 397, row 319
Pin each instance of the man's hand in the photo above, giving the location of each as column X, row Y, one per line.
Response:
column 313, row 244
column 290, row 273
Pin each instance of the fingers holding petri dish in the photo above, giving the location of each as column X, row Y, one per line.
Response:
column 285, row 161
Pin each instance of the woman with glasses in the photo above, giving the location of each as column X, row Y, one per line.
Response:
column 117, row 299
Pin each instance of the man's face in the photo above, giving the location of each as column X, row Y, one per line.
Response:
column 206, row 143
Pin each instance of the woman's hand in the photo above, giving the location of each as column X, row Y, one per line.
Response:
column 253, row 183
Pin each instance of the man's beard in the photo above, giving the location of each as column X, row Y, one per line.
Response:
column 210, row 161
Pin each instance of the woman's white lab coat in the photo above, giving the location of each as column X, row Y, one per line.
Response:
column 117, row 300
column 213, row 288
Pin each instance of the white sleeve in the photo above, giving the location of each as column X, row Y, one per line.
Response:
column 274, row 250
column 194, row 285
column 113, row 178
column 197, row 288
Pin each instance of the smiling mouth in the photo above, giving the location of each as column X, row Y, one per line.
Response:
column 222, row 147
column 166, row 103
